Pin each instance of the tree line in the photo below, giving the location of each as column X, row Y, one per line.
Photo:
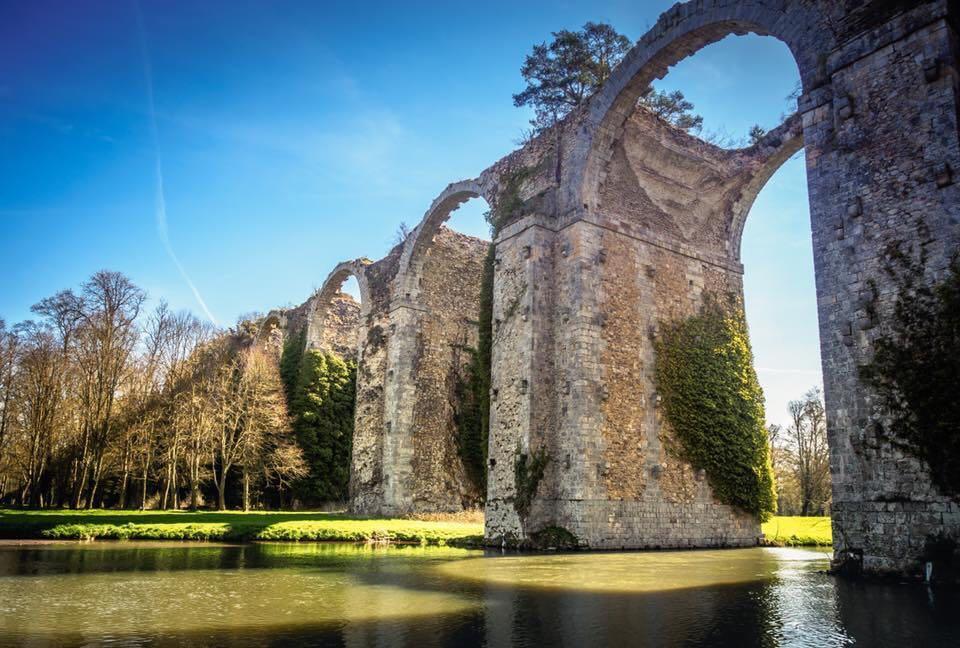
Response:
column 801, row 458
column 106, row 404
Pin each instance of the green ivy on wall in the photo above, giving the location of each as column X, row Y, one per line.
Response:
column 473, row 390
column 528, row 472
column 713, row 402
column 915, row 368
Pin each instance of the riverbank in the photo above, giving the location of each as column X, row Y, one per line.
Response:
column 235, row 526
column 458, row 530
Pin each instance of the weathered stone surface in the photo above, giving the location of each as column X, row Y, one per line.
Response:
column 615, row 223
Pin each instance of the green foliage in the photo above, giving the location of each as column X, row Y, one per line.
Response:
column 915, row 369
column 290, row 359
column 323, row 407
column 285, row 526
column 473, row 391
column 528, row 472
column 672, row 107
column 713, row 402
column 563, row 74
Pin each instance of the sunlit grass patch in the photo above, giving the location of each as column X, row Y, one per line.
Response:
column 287, row 526
column 795, row 531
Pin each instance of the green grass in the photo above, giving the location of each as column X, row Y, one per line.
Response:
column 785, row 531
column 302, row 526
column 233, row 526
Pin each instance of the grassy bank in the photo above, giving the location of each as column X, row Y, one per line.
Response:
column 305, row 526
column 798, row 531
column 234, row 526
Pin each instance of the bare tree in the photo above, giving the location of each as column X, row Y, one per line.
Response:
column 105, row 339
column 266, row 422
column 8, row 363
column 38, row 401
column 807, row 439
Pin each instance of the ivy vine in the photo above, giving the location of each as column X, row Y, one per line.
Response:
column 713, row 402
column 915, row 367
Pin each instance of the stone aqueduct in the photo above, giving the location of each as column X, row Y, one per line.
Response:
column 618, row 223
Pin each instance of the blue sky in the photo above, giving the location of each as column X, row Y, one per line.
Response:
column 294, row 135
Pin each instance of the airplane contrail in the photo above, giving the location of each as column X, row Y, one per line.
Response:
column 161, row 202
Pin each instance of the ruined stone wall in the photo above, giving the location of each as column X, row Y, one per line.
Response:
column 450, row 294
column 523, row 377
column 341, row 329
column 367, row 468
column 424, row 355
column 612, row 224
column 654, row 246
column 882, row 157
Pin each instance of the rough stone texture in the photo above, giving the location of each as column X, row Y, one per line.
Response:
column 638, row 223
column 411, row 348
column 623, row 224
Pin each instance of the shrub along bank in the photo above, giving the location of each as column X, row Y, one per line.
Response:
column 233, row 526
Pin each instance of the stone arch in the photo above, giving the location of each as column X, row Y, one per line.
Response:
column 418, row 243
column 272, row 320
column 681, row 32
column 318, row 309
column 776, row 147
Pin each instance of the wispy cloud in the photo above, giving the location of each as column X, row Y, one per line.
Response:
column 161, row 203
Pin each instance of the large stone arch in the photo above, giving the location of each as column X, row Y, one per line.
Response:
column 681, row 32
column 433, row 312
column 585, row 274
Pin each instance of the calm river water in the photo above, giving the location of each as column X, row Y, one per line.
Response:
column 138, row 593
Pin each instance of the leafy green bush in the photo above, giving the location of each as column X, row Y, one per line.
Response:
column 713, row 402
column 323, row 408
column 915, row 369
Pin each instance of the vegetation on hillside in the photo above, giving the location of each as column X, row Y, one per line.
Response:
column 714, row 405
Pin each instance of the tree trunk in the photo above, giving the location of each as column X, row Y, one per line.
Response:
column 97, row 471
column 166, row 488
column 173, row 486
column 221, row 487
column 246, row 490
column 143, row 492
column 194, row 494
column 122, row 504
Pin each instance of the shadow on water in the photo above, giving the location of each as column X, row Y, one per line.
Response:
column 332, row 595
column 135, row 556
